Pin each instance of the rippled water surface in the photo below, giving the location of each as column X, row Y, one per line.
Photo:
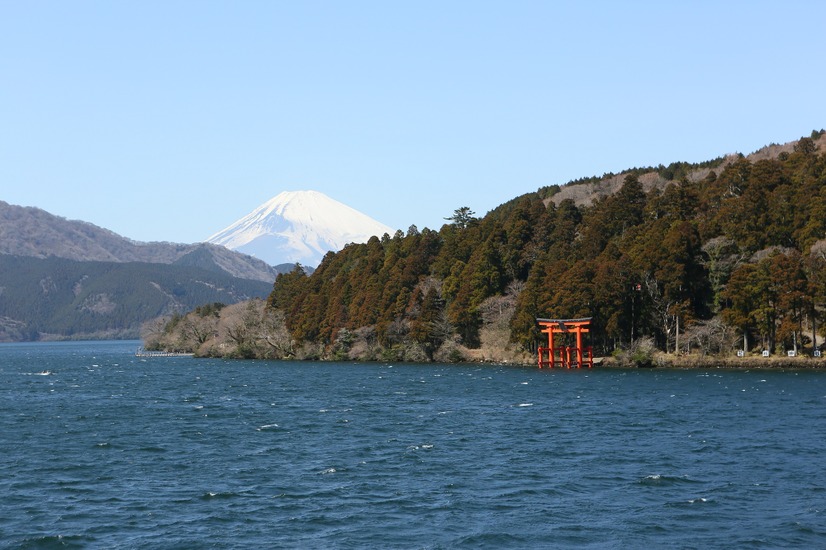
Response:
column 101, row 449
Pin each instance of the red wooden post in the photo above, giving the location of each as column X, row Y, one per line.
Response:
column 579, row 346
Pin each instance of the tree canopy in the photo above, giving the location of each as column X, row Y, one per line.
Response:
column 732, row 241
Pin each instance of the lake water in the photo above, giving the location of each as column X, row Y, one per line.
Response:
column 101, row 449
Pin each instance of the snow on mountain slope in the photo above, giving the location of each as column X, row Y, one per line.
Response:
column 298, row 226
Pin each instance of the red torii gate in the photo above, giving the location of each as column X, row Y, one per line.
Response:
column 565, row 356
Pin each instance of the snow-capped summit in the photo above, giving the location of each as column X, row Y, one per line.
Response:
column 298, row 226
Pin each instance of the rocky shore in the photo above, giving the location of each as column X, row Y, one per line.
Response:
column 662, row 360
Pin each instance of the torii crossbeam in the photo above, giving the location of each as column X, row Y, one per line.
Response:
column 563, row 356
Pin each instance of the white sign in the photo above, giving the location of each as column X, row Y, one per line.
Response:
column 765, row 353
column 817, row 353
column 740, row 353
column 791, row 353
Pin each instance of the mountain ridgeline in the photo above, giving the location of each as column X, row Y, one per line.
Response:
column 32, row 232
column 70, row 279
column 706, row 257
column 298, row 227
column 56, row 298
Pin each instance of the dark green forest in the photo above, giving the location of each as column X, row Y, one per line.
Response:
column 736, row 256
column 688, row 259
column 59, row 298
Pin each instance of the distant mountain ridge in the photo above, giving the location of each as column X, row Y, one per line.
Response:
column 56, row 298
column 71, row 279
column 29, row 231
column 298, row 227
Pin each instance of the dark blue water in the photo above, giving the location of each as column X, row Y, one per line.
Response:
column 109, row 450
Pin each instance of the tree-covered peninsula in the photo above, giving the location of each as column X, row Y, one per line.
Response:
column 707, row 258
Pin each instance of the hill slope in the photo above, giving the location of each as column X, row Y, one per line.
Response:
column 27, row 231
column 59, row 298
column 709, row 256
column 586, row 191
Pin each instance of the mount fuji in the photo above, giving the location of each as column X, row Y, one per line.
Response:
column 298, row 227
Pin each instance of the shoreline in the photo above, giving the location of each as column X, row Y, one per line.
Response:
column 773, row 362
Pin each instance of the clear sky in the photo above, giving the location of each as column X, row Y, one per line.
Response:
column 169, row 120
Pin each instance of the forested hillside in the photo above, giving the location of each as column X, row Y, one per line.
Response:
column 47, row 298
column 692, row 256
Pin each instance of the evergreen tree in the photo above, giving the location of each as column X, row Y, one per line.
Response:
column 462, row 217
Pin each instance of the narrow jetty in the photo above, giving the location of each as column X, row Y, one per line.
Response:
column 147, row 353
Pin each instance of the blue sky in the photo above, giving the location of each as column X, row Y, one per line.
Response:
column 168, row 120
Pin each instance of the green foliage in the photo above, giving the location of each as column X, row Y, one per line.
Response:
column 642, row 264
column 770, row 297
column 678, row 171
column 462, row 217
column 640, row 354
column 549, row 191
column 213, row 309
column 71, row 299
